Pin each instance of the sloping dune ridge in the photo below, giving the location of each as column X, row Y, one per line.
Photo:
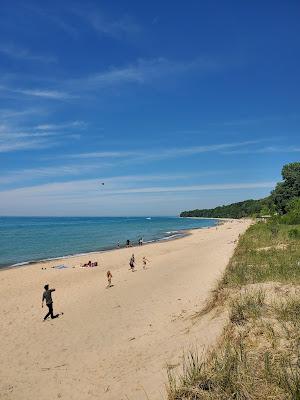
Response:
column 111, row 343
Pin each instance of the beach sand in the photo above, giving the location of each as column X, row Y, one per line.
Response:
column 111, row 343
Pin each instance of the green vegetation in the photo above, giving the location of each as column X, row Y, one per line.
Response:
column 288, row 189
column 265, row 253
column 236, row 210
column 278, row 202
column 258, row 356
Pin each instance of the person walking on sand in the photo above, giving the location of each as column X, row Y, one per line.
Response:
column 131, row 263
column 145, row 260
column 49, row 302
column 109, row 276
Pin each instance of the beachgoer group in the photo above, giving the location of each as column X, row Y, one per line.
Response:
column 47, row 294
column 90, row 264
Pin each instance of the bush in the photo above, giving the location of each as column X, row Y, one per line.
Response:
column 294, row 233
column 293, row 215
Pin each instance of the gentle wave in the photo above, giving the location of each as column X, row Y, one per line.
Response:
column 27, row 240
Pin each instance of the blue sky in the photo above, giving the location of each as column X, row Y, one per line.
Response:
column 171, row 105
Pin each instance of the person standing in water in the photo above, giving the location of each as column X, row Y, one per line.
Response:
column 109, row 277
column 47, row 296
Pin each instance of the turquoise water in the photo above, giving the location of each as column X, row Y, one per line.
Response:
column 27, row 239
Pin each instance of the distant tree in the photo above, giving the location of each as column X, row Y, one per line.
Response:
column 265, row 210
column 292, row 217
column 275, row 204
column 289, row 188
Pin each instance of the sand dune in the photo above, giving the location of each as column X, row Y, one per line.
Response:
column 110, row 343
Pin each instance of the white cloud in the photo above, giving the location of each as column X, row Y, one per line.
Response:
column 144, row 71
column 59, row 171
column 14, row 113
column 42, row 93
column 83, row 188
column 140, row 72
column 193, row 188
column 160, row 154
column 88, row 197
column 20, row 53
column 64, row 125
column 15, row 145
column 115, row 28
column 50, row 94
column 28, row 138
column 266, row 150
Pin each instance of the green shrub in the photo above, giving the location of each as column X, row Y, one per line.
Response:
column 294, row 233
column 293, row 215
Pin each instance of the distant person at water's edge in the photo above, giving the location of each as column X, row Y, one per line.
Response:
column 47, row 296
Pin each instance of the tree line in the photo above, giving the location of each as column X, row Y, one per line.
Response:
column 283, row 200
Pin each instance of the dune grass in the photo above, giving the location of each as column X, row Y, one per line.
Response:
column 263, row 254
column 258, row 356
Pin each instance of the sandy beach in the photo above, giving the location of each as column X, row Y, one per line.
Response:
column 111, row 343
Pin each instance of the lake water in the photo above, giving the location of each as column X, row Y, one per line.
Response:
column 28, row 239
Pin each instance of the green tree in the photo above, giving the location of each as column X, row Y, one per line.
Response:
column 289, row 188
column 293, row 212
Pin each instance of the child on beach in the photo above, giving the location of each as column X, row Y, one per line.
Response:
column 145, row 260
column 131, row 263
column 109, row 276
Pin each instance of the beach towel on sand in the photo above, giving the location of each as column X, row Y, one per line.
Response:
column 62, row 266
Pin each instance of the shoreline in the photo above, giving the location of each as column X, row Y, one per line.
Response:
column 179, row 235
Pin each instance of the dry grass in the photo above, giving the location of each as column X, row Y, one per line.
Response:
column 258, row 356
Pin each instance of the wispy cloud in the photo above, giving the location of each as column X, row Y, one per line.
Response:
column 59, row 171
column 15, row 145
column 140, row 72
column 17, row 113
column 86, row 188
column 266, row 150
column 21, row 176
column 13, row 51
column 144, row 71
column 88, row 197
column 160, row 154
column 192, row 188
column 14, row 138
column 64, row 125
column 49, row 94
column 255, row 120
column 113, row 27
